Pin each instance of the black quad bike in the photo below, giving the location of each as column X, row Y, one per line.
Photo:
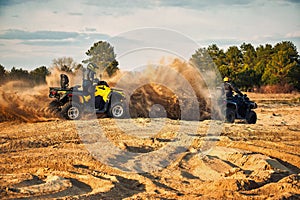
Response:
column 72, row 102
column 240, row 107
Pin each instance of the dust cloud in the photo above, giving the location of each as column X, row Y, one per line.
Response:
column 20, row 101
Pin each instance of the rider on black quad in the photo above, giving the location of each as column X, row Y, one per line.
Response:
column 238, row 106
column 229, row 88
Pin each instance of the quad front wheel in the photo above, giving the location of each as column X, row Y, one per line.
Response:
column 117, row 111
column 251, row 117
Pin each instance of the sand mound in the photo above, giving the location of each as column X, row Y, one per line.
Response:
column 175, row 90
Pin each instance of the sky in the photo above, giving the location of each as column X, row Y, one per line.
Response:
column 33, row 33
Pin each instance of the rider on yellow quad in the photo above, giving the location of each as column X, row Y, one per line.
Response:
column 102, row 91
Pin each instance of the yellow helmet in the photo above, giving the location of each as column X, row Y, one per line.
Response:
column 226, row 79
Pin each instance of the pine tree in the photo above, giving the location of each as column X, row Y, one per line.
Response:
column 102, row 54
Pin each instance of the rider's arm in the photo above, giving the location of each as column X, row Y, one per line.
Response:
column 238, row 91
column 235, row 89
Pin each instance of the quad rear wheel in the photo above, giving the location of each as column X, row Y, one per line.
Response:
column 230, row 115
column 71, row 111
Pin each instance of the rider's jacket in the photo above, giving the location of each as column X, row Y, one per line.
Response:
column 229, row 89
column 103, row 91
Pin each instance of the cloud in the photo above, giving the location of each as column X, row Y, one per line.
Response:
column 48, row 42
column 90, row 29
column 10, row 2
column 75, row 13
column 196, row 4
column 117, row 8
column 295, row 34
column 131, row 4
column 16, row 34
column 294, row 1
column 53, row 38
column 145, row 4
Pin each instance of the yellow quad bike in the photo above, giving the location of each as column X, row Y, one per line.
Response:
column 95, row 97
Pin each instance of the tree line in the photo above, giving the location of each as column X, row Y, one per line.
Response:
column 260, row 67
column 34, row 77
column 247, row 66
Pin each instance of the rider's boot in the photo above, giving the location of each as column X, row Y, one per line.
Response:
column 104, row 109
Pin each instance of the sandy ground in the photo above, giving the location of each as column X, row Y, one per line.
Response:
column 46, row 160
